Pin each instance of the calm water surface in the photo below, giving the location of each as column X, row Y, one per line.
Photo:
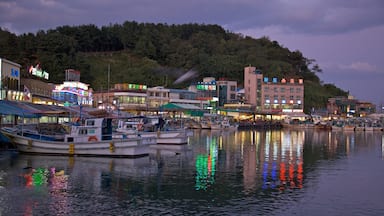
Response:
column 282, row 172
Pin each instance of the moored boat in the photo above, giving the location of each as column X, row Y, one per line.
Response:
column 156, row 130
column 94, row 138
column 224, row 124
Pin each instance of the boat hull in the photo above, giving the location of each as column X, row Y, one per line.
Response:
column 168, row 137
column 132, row 147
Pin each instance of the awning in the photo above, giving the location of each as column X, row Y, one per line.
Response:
column 14, row 108
column 178, row 107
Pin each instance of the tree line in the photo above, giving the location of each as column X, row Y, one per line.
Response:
column 157, row 54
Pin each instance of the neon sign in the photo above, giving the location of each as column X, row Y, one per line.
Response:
column 69, row 85
column 37, row 71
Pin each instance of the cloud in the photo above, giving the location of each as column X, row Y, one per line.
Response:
column 360, row 66
column 305, row 17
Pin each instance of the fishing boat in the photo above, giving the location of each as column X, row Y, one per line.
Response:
column 94, row 138
column 223, row 125
column 152, row 128
column 204, row 124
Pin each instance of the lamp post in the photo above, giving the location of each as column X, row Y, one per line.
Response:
column 116, row 102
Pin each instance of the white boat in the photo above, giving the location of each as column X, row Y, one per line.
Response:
column 216, row 125
column 204, row 124
column 223, row 125
column 161, row 135
column 92, row 139
column 226, row 125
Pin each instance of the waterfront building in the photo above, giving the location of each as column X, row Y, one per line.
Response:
column 206, row 92
column 182, row 96
column 157, row 96
column 272, row 95
column 10, row 80
column 38, row 91
column 72, row 91
column 342, row 106
column 123, row 96
column 226, row 92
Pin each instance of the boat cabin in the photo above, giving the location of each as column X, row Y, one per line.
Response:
column 93, row 130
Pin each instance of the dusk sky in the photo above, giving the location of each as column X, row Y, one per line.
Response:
column 345, row 37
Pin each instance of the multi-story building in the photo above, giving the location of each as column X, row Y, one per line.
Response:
column 157, row 96
column 72, row 91
column 348, row 107
column 206, row 90
column 227, row 91
column 10, row 80
column 271, row 95
column 123, row 96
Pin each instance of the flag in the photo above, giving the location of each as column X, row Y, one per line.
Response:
column 27, row 93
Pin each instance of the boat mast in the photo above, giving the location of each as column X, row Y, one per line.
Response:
column 108, row 104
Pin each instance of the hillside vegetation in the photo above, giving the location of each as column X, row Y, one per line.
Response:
column 157, row 54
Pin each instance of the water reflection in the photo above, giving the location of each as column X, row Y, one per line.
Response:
column 273, row 160
column 206, row 164
column 243, row 172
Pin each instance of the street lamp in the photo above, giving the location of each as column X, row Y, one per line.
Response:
column 116, row 102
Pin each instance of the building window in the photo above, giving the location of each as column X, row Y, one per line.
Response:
column 282, row 89
column 233, row 88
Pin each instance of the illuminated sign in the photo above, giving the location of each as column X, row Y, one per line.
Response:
column 130, row 86
column 15, row 73
column 206, row 86
column 137, row 87
column 37, row 71
column 69, row 85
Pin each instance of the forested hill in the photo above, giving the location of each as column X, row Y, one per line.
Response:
column 157, row 54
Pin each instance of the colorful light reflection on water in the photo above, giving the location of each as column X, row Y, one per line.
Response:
column 282, row 172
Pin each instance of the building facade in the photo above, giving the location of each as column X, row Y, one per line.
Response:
column 10, row 80
column 349, row 107
column 271, row 95
column 157, row 96
column 72, row 91
column 37, row 91
column 123, row 96
column 226, row 92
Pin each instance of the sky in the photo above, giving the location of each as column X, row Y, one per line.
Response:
column 345, row 37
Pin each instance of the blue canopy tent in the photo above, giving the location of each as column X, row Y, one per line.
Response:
column 12, row 108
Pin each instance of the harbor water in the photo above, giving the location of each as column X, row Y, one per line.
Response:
column 247, row 172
